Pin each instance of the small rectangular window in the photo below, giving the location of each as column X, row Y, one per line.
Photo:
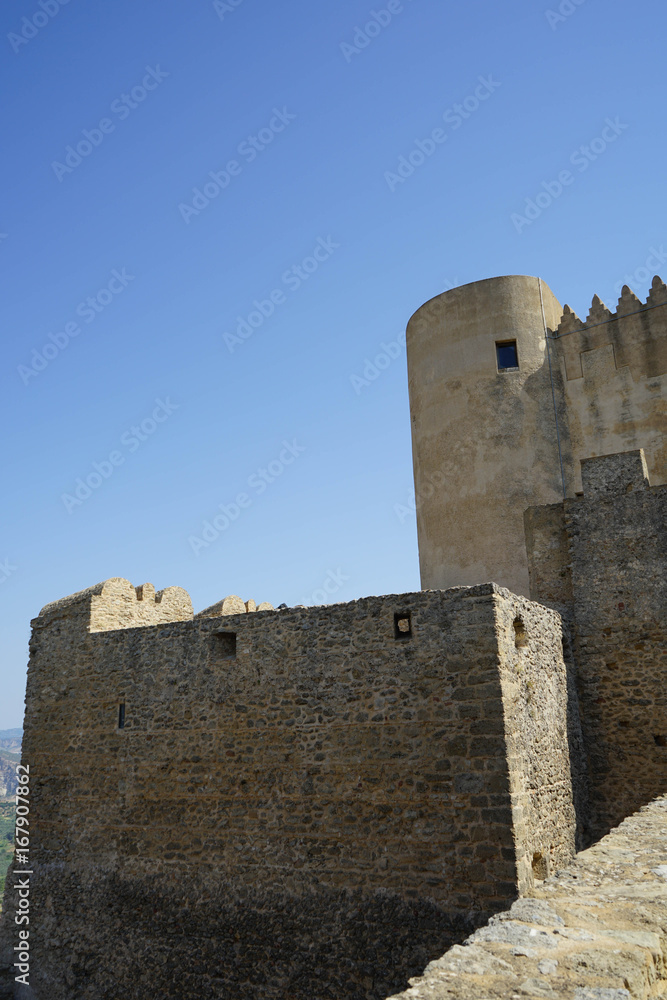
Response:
column 121, row 715
column 403, row 625
column 507, row 355
column 225, row 645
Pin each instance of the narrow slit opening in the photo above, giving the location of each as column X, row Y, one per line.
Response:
column 520, row 634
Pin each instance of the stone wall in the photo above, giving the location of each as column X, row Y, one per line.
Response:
column 596, row 930
column 615, row 568
column 543, row 739
column 614, row 380
column 307, row 803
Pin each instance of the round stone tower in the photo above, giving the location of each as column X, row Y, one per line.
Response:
column 484, row 436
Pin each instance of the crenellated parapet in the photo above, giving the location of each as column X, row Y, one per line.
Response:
column 116, row 604
column 233, row 605
column 120, row 605
column 613, row 380
column 637, row 333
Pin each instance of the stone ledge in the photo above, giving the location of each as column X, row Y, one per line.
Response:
column 594, row 931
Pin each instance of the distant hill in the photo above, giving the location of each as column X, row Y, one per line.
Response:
column 7, row 820
column 10, row 756
column 10, row 740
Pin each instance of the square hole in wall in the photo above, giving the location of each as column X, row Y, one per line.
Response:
column 402, row 625
column 507, row 356
column 224, row 645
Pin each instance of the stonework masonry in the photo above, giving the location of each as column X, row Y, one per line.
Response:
column 489, row 442
column 596, row 930
column 601, row 559
column 327, row 793
column 314, row 803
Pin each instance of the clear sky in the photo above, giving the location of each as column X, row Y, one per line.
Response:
column 215, row 214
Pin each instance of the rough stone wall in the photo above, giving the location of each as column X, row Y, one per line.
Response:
column 310, row 810
column 539, row 750
column 547, row 546
column 614, row 378
column 116, row 604
column 616, row 568
column 596, row 930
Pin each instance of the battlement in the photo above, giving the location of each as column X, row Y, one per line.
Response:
column 116, row 604
column 611, row 377
column 637, row 332
column 233, row 605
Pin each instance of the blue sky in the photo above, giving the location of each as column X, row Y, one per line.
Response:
column 230, row 321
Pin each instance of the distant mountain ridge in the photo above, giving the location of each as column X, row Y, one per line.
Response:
column 10, row 756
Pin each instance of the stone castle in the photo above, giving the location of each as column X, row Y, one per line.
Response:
column 311, row 803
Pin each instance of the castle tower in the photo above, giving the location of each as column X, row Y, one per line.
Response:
column 484, row 434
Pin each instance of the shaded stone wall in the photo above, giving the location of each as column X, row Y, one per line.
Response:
column 615, row 567
column 312, row 809
column 596, row 930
